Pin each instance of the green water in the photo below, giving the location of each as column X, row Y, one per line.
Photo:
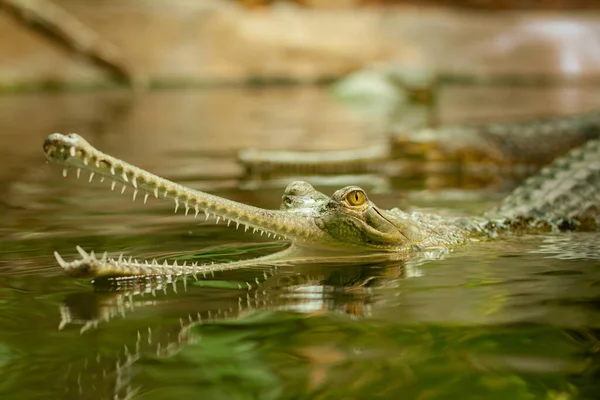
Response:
column 517, row 318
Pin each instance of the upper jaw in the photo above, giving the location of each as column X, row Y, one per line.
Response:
column 72, row 151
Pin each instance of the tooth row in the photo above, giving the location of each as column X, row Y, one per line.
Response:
column 133, row 180
column 132, row 268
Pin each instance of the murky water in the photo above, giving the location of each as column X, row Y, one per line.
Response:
column 516, row 318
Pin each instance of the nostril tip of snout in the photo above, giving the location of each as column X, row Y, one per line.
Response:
column 50, row 142
column 49, row 148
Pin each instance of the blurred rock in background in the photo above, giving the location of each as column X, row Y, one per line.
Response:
column 168, row 42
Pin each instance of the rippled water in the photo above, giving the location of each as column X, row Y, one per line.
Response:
column 514, row 318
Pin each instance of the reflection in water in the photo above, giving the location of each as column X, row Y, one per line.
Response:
column 343, row 290
column 310, row 329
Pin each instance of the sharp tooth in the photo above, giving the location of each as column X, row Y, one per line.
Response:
column 104, row 256
column 130, row 259
column 72, row 151
column 64, row 172
column 254, row 230
column 218, row 219
column 228, row 222
column 156, row 193
column 165, row 193
column 134, row 182
column 197, row 210
column 207, row 215
column 237, row 224
column 78, row 172
column 112, row 185
column 124, row 176
column 85, row 161
column 268, row 234
column 135, row 192
column 101, row 179
column 123, row 189
column 176, row 205
column 261, row 233
column 112, row 170
column 91, row 176
column 60, row 260
column 145, row 198
column 187, row 207
column 81, row 252
column 246, row 228
column 97, row 163
column 120, row 258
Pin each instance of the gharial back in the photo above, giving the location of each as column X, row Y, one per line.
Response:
column 528, row 142
column 565, row 194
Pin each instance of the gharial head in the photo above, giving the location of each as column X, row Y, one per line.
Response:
column 349, row 219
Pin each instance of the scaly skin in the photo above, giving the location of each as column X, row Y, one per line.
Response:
column 346, row 222
column 566, row 190
column 531, row 142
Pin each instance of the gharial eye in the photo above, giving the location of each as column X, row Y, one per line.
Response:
column 356, row 198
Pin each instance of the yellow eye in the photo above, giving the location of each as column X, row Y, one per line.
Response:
column 356, row 198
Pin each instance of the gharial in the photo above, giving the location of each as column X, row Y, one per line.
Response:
column 563, row 196
column 526, row 142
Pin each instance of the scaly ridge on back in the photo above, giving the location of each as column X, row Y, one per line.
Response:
column 529, row 142
column 566, row 190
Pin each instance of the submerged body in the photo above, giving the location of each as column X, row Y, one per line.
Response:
column 564, row 196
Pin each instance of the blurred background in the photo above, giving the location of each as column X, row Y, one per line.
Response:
column 66, row 43
column 200, row 91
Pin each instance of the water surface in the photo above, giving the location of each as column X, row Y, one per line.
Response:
column 514, row 318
